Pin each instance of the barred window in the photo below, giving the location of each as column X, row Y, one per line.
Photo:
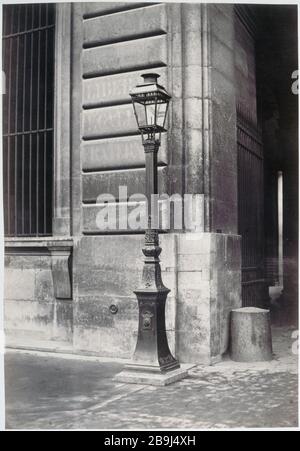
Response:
column 28, row 111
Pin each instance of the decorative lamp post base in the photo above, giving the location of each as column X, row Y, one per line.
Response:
column 152, row 362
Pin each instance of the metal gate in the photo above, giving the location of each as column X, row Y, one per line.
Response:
column 28, row 65
column 251, row 213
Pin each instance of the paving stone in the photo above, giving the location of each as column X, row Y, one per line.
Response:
column 48, row 391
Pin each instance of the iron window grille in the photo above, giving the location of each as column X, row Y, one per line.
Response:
column 28, row 117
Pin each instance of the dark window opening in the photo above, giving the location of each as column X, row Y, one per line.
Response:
column 28, row 116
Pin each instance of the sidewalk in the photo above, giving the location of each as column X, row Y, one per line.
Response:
column 46, row 391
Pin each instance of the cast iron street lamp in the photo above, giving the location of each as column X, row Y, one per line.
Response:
column 152, row 355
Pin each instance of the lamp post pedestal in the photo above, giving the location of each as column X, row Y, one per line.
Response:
column 152, row 362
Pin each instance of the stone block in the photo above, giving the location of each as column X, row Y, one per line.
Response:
column 34, row 318
column 118, row 274
column 191, row 45
column 61, row 271
column 194, row 243
column 19, row 284
column 27, row 260
column 224, row 216
column 194, row 280
column 118, row 153
column 192, row 16
column 95, row 311
column 222, row 24
column 97, row 184
column 168, row 257
column 107, row 342
column 193, row 82
column 63, row 321
column 113, row 281
column 251, row 338
column 222, row 57
column 91, row 9
column 195, row 263
column 114, row 89
column 115, row 28
column 44, row 291
column 223, row 90
column 121, row 216
column 189, row 349
column 110, row 121
column 215, row 323
column 193, row 107
column 120, row 251
column 233, row 250
column 124, row 57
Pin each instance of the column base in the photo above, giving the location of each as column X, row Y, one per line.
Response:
column 136, row 376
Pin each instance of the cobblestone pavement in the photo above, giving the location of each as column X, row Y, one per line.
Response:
column 46, row 392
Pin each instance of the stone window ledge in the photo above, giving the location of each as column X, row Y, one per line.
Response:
column 44, row 242
column 58, row 249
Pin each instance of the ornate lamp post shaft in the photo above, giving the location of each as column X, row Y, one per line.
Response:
column 152, row 357
column 152, row 349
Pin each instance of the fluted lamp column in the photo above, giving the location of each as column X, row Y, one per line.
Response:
column 153, row 362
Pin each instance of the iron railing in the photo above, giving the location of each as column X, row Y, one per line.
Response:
column 251, row 214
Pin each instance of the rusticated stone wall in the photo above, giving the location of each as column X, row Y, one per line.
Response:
column 209, row 287
column 191, row 47
column 38, row 312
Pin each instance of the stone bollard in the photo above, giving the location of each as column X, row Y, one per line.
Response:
column 251, row 338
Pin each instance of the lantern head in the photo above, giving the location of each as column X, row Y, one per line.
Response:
column 150, row 103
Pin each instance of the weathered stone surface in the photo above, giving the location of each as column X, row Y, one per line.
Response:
column 105, row 341
column 133, row 55
column 113, row 28
column 106, row 122
column 63, row 321
column 109, row 182
column 220, row 109
column 19, row 284
column 209, row 287
column 201, row 265
column 43, row 286
column 251, row 339
column 61, row 224
column 118, row 153
column 94, row 312
column 61, row 272
column 102, row 282
column 195, row 243
column 29, row 318
column 221, row 19
column 245, row 70
column 101, row 8
column 32, row 314
column 129, row 217
column 114, row 89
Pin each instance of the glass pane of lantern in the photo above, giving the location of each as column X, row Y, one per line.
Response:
column 161, row 114
column 140, row 112
column 150, row 114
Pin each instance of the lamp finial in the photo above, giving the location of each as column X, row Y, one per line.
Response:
column 150, row 78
